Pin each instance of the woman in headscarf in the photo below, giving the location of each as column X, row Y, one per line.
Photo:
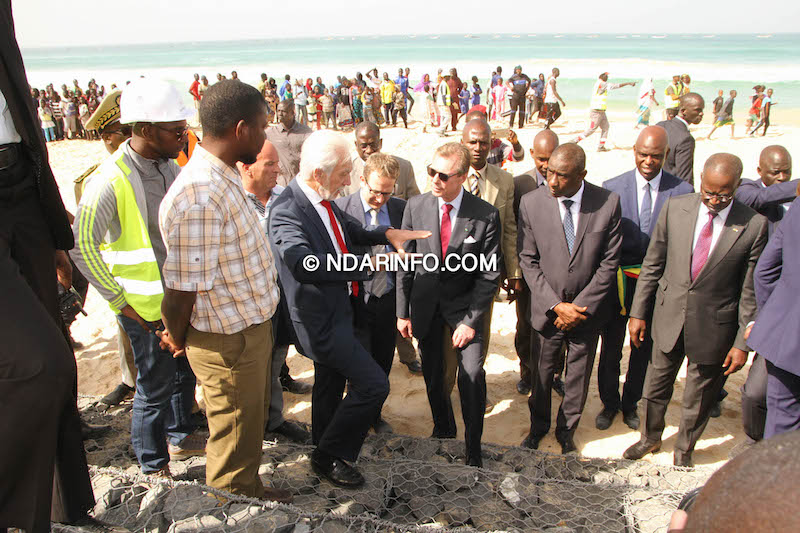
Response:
column 647, row 97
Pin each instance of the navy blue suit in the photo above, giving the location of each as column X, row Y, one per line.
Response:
column 375, row 317
column 774, row 335
column 634, row 248
column 767, row 201
column 321, row 312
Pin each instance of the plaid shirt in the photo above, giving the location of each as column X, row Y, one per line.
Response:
column 215, row 247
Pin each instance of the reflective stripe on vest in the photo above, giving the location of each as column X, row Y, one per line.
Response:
column 130, row 258
column 670, row 103
column 599, row 101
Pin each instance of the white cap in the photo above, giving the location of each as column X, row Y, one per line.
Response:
column 152, row 100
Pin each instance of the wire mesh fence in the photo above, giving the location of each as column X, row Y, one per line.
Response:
column 412, row 485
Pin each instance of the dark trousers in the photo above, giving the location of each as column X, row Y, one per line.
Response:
column 525, row 340
column 701, row 389
column 783, row 401
column 754, row 399
column 471, row 384
column 42, row 460
column 553, row 112
column 403, row 115
column 340, row 425
column 581, row 347
column 517, row 107
column 608, row 368
column 388, row 113
column 376, row 322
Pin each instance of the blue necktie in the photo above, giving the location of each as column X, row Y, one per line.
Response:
column 569, row 227
column 647, row 210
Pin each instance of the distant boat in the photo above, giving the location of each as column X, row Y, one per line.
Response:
column 593, row 36
column 412, row 36
column 557, row 36
column 658, row 36
column 708, row 36
column 434, row 37
column 622, row 36
column 531, row 35
column 636, row 35
column 495, row 36
column 764, row 36
column 515, row 36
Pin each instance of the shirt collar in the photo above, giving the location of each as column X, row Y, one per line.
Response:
column 456, row 203
column 312, row 195
column 146, row 167
column 366, row 207
column 722, row 215
column 577, row 197
column 684, row 122
column 641, row 181
column 540, row 180
column 480, row 172
column 221, row 166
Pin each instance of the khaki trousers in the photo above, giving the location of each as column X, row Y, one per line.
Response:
column 234, row 371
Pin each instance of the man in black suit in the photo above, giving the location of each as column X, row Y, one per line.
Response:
column 643, row 192
column 372, row 206
column 525, row 342
column 697, row 281
column 571, row 244
column 307, row 232
column 680, row 158
column 450, row 306
column 42, row 460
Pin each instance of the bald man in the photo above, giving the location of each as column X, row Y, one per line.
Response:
column 696, row 282
column 525, row 342
column 770, row 194
column 643, row 192
column 570, row 245
column 680, row 158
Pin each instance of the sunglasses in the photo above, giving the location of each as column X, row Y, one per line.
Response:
column 179, row 132
column 441, row 175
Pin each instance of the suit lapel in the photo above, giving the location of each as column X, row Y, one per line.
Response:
column 685, row 236
column 631, row 203
column 733, row 228
column 492, row 188
column 661, row 198
column 463, row 223
column 312, row 215
column 430, row 221
column 554, row 213
column 587, row 208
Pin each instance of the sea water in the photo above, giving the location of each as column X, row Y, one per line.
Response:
column 714, row 61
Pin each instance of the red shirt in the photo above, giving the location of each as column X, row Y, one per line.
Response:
column 193, row 88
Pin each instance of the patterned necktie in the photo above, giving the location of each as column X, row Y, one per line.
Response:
column 647, row 210
column 703, row 246
column 446, row 229
column 569, row 227
column 474, row 188
column 339, row 240
column 380, row 280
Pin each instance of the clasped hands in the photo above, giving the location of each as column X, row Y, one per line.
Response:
column 569, row 316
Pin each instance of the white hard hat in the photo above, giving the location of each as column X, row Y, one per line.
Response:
column 152, row 100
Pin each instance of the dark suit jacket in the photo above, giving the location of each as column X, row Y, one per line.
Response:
column 767, row 200
column 14, row 85
column 583, row 278
column 713, row 310
column 354, row 208
column 634, row 241
column 318, row 300
column 462, row 297
column 777, row 278
column 680, row 158
column 523, row 184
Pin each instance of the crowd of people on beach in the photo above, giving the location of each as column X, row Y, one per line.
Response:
column 215, row 265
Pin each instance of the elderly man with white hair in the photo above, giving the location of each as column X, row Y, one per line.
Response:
column 306, row 229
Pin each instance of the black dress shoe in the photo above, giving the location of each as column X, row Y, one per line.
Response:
column 121, row 393
column 716, row 410
column 93, row 431
column 414, row 367
column 382, row 426
column 558, row 386
column 289, row 384
column 532, row 441
column 631, row 419
column 605, row 418
column 683, row 459
column 292, row 431
column 335, row 470
column 523, row 388
column 567, row 444
column 442, row 435
column 474, row 461
column 642, row 448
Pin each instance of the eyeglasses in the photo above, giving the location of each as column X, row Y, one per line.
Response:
column 441, row 175
column 180, row 132
column 719, row 197
column 373, row 192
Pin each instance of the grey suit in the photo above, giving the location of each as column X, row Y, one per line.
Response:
column 584, row 278
column 701, row 319
column 680, row 158
column 438, row 302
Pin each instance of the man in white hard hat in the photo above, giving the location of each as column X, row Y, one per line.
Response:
column 120, row 250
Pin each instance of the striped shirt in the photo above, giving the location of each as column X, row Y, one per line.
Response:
column 215, row 247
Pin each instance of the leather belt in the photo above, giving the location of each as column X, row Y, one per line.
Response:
column 9, row 155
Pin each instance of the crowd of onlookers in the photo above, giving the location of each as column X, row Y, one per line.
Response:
column 63, row 115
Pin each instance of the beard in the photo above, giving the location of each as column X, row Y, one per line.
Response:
column 326, row 192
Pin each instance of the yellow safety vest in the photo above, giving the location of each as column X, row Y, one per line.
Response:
column 599, row 101
column 670, row 103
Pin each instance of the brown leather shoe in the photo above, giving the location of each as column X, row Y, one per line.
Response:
column 277, row 495
column 642, row 448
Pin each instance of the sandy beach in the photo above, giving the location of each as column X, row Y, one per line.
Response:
column 406, row 408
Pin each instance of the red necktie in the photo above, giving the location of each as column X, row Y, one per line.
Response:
column 446, row 229
column 339, row 239
column 703, row 246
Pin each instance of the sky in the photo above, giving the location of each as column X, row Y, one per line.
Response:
column 149, row 21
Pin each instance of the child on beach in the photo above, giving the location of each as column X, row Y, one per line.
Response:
column 46, row 117
column 400, row 106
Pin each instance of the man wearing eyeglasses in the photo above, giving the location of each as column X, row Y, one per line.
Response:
column 374, row 206
column 697, row 279
column 121, row 252
column 448, row 307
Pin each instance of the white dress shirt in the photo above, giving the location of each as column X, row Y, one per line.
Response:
column 717, row 225
column 456, row 203
column 681, row 119
column 316, row 200
column 575, row 208
column 655, row 183
column 8, row 133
